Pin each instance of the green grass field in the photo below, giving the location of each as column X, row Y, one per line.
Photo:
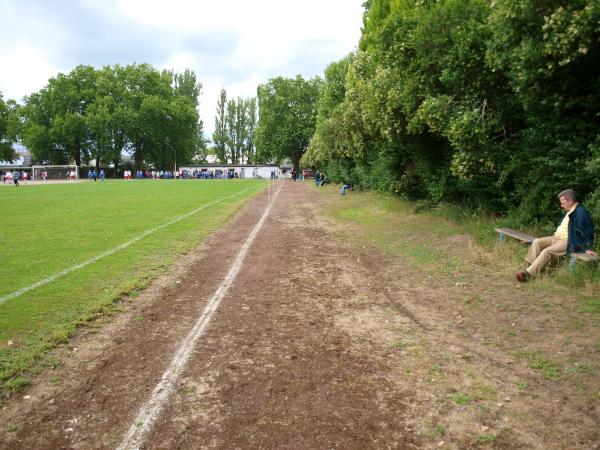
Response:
column 52, row 228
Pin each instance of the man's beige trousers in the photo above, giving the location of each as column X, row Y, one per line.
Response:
column 541, row 252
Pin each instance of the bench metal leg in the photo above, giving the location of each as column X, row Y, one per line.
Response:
column 500, row 238
column 572, row 262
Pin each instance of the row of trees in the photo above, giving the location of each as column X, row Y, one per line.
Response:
column 92, row 114
column 495, row 104
column 235, row 126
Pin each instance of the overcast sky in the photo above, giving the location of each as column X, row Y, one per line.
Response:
column 235, row 44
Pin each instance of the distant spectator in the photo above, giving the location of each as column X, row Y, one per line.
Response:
column 345, row 187
column 317, row 178
column 15, row 176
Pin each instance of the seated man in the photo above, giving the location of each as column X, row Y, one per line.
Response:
column 345, row 187
column 575, row 234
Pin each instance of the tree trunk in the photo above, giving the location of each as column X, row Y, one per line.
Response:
column 296, row 163
column 139, row 157
column 77, row 152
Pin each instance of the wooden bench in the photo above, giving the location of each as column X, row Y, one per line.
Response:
column 524, row 238
column 527, row 239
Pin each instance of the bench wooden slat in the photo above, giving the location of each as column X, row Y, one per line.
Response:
column 519, row 235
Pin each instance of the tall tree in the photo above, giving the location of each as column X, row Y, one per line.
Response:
column 111, row 138
column 188, row 86
column 144, row 85
column 99, row 120
column 241, row 128
column 55, row 128
column 72, row 94
column 237, row 129
column 230, row 118
column 332, row 138
column 251, row 120
column 38, row 119
column 287, row 117
column 219, row 137
column 105, row 119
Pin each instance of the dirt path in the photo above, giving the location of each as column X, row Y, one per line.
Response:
column 316, row 345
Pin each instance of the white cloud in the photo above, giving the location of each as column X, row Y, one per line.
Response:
column 235, row 44
column 182, row 59
column 25, row 69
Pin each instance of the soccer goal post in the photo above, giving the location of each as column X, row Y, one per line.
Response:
column 66, row 172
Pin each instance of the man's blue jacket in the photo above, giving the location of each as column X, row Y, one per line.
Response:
column 581, row 231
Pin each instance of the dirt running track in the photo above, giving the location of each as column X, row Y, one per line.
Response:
column 300, row 354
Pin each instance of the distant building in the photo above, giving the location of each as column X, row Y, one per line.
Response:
column 239, row 170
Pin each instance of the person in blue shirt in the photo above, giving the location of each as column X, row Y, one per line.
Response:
column 345, row 187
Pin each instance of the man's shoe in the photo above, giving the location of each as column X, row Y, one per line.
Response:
column 522, row 276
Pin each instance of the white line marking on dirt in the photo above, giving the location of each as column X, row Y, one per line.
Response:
column 51, row 278
column 151, row 410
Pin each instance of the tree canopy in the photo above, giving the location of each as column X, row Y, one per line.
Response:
column 91, row 114
column 235, row 124
column 287, row 118
column 493, row 104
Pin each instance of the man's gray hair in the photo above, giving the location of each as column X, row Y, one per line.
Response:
column 568, row 193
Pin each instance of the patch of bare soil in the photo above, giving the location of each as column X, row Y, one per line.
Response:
column 318, row 343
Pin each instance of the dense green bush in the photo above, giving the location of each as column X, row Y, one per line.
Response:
column 493, row 105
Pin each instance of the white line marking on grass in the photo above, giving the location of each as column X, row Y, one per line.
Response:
column 51, row 278
column 150, row 410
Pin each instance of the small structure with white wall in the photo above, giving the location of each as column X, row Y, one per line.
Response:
column 243, row 171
